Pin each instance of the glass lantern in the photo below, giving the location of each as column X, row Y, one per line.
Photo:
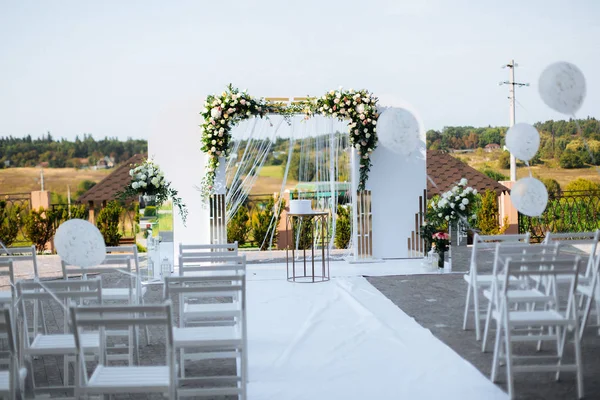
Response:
column 165, row 268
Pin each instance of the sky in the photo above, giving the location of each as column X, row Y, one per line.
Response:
column 108, row 68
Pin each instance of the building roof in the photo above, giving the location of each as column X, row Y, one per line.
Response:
column 107, row 188
column 445, row 171
column 492, row 145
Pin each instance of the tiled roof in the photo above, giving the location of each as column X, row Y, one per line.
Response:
column 445, row 171
column 107, row 188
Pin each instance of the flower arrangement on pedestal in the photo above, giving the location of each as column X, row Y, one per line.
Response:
column 456, row 204
column 224, row 111
column 441, row 243
column 148, row 180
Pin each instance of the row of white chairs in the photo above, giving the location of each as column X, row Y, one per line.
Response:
column 535, row 293
column 218, row 329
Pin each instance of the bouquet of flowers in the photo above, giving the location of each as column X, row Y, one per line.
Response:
column 441, row 240
column 148, row 180
column 456, row 204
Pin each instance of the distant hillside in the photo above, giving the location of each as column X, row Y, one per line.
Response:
column 28, row 152
column 559, row 141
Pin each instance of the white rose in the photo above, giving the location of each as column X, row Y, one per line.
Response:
column 447, row 218
column 214, row 142
column 143, row 177
column 130, row 172
column 451, row 205
column 135, row 185
column 463, row 182
column 357, row 146
column 362, row 116
column 213, row 149
column 368, row 135
column 462, row 207
column 374, row 122
column 143, row 184
column 155, row 182
column 474, row 191
column 360, row 108
column 440, row 215
column 465, row 201
column 215, row 113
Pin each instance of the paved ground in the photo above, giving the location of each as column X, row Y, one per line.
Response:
column 437, row 303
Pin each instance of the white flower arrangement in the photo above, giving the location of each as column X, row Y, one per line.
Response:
column 457, row 203
column 147, row 179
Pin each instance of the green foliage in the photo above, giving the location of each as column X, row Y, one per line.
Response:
column 108, row 223
column 29, row 152
column 238, row 226
column 141, row 249
column 83, row 187
column 10, row 220
column 552, row 186
column 504, row 160
column 343, row 228
column 40, row 227
column 497, row 176
column 570, row 160
column 487, row 215
column 150, row 211
column 264, row 223
column 303, row 232
column 581, row 184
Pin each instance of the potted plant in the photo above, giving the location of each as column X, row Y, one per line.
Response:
column 441, row 243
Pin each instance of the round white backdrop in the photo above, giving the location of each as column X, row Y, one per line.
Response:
column 80, row 243
column 398, row 130
column 529, row 196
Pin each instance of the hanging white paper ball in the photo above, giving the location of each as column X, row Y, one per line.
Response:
column 523, row 140
column 80, row 243
column 562, row 87
column 529, row 196
column 398, row 130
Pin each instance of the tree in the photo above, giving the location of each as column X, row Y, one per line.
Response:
column 108, row 223
column 552, row 186
column 238, row 227
column 487, row 215
column 570, row 160
column 343, row 228
column 497, row 176
column 264, row 223
column 83, row 187
column 10, row 220
column 40, row 227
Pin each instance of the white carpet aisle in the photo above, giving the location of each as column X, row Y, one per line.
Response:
column 344, row 340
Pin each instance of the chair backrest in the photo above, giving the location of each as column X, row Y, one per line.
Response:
column 523, row 251
column 191, row 265
column 208, row 250
column 7, row 270
column 7, row 330
column 481, row 242
column 117, row 252
column 578, row 238
column 217, row 286
column 27, row 253
column 110, row 317
column 63, row 292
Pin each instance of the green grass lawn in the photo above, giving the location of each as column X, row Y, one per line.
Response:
column 271, row 171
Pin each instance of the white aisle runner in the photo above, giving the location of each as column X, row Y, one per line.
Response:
column 344, row 340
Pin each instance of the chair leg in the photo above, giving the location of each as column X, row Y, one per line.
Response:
column 476, row 313
column 496, row 359
column 487, row 327
column 577, row 343
column 509, row 372
column 466, row 316
column 182, row 363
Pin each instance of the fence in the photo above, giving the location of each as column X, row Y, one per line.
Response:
column 569, row 211
column 20, row 202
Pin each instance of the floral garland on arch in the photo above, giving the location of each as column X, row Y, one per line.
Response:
column 222, row 112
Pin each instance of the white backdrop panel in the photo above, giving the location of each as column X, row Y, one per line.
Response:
column 396, row 182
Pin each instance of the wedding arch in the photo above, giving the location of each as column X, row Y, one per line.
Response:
column 359, row 110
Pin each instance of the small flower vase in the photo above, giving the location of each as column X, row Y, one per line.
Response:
column 440, row 260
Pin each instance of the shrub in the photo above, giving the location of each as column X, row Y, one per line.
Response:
column 570, row 160
column 303, row 232
column 10, row 220
column 487, row 215
column 238, row 227
column 497, row 176
column 264, row 221
column 40, row 227
column 141, row 249
column 343, row 228
column 150, row 211
column 581, row 184
column 108, row 223
column 552, row 186
column 504, row 160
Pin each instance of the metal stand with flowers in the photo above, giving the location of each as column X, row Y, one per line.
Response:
column 157, row 200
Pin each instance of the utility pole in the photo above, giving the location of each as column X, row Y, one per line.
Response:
column 42, row 177
column 511, row 96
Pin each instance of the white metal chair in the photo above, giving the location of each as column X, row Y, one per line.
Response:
column 7, row 270
column 533, row 325
column 476, row 281
column 110, row 380
column 36, row 344
column 12, row 379
column 520, row 291
column 211, row 330
column 208, row 250
column 192, row 265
